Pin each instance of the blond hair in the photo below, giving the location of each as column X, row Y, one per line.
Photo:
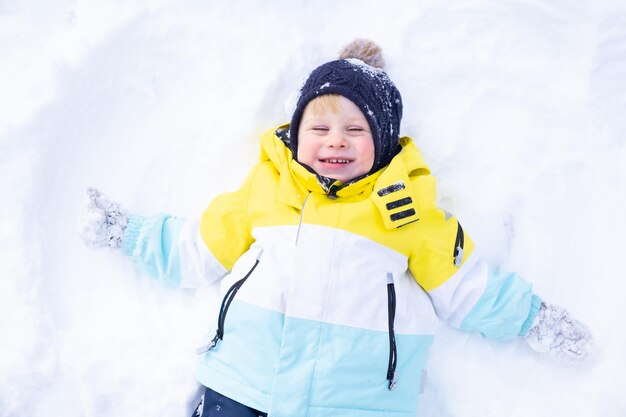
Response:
column 325, row 103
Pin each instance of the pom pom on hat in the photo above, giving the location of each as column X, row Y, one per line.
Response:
column 365, row 50
column 359, row 77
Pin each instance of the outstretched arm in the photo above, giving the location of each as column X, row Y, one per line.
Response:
column 167, row 248
column 469, row 294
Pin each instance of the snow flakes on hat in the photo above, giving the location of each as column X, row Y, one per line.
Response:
column 359, row 76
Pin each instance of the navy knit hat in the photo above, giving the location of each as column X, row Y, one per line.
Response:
column 366, row 86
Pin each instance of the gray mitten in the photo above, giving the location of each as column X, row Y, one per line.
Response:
column 103, row 221
column 555, row 331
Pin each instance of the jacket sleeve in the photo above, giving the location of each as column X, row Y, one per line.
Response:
column 225, row 225
column 171, row 250
column 189, row 253
column 466, row 292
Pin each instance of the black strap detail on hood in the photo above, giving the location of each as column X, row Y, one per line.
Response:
column 283, row 135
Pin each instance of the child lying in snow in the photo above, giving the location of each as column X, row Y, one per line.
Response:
column 338, row 262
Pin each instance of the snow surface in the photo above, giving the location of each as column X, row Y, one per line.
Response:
column 518, row 107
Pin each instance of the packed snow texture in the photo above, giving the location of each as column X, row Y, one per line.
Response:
column 518, row 106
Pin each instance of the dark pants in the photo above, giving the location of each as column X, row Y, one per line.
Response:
column 213, row 404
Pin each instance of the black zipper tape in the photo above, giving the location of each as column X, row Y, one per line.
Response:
column 459, row 243
column 393, row 353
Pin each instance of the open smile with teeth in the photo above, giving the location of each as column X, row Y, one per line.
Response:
column 336, row 161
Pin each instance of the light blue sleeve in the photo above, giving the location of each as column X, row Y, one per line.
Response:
column 152, row 244
column 506, row 308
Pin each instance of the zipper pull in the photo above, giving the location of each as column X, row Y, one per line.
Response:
column 332, row 191
column 393, row 382
column 459, row 243
column 458, row 259
column 210, row 346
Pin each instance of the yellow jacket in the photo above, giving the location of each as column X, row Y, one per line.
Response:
column 333, row 296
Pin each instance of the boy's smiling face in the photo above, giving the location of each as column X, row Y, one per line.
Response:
column 336, row 144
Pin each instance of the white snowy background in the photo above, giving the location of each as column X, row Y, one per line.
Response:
column 518, row 106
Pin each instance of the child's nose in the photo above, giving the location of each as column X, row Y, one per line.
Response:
column 337, row 140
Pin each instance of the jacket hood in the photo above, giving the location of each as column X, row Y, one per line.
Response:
column 389, row 188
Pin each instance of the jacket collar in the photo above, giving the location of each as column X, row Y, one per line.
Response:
column 394, row 194
column 390, row 188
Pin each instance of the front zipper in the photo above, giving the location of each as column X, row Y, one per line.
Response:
column 228, row 299
column 393, row 353
column 302, row 216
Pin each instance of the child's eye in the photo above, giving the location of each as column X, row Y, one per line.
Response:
column 320, row 128
column 355, row 129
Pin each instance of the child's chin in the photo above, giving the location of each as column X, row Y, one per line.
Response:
column 336, row 177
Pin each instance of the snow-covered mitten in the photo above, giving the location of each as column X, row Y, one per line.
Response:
column 103, row 221
column 556, row 332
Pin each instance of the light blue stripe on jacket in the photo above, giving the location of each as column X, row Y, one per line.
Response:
column 349, row 364
column 151, row 243
column 501, row 311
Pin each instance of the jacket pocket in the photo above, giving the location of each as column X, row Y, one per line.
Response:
column 226, row 301
column 391, row 313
